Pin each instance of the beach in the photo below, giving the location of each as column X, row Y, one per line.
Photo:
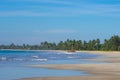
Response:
column 110, row 70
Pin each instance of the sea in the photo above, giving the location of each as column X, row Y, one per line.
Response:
column 14, row 63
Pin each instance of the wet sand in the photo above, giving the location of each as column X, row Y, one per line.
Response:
column 103, row 71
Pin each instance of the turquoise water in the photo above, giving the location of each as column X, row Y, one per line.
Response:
column 12, row 63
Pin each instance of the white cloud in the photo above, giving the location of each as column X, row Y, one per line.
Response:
column 57, row 31
column 73, row 10
column 43, row 1
column 61, row 31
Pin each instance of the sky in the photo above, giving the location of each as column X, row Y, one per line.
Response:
column 34, row 21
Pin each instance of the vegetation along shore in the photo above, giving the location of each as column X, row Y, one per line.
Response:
column 112, row 44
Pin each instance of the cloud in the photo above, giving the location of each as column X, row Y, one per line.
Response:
column 23, row 13
column 56, row 1
column 75, row 8
column 61, row 31
column 57, row 31
column 43, row 1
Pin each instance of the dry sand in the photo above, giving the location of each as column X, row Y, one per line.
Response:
column 104, row 71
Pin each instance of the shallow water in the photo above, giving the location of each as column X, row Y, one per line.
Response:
column 10, row 73
column 12, row 63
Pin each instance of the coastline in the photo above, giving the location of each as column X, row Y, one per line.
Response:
column 67, row 51
column 85, row 51
column 62, row 51
column 104, row 71
column 100, row 52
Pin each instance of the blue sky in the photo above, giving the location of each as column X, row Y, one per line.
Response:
column 33, row 21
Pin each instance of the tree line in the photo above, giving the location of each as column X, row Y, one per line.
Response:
column 112, row 44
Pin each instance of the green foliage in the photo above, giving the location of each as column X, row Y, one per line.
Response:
column 112, row 44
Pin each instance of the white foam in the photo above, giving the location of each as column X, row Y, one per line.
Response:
column 70, row 57
column 3, row 58
column 65, row 52
column 69, row 52
column 39, row 59
column 35, row 57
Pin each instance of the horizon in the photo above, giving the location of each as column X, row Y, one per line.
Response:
column 32, row 22
column 101, row 41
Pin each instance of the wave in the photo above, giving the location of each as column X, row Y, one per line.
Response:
column 39, row 59
column 71, row 57
column 69, row 53
column 35, row 57
column 3, row 58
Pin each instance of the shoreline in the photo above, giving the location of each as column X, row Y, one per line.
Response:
column 100, row 52
column 31, row 50
column 104, row 71
column 85, row 51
